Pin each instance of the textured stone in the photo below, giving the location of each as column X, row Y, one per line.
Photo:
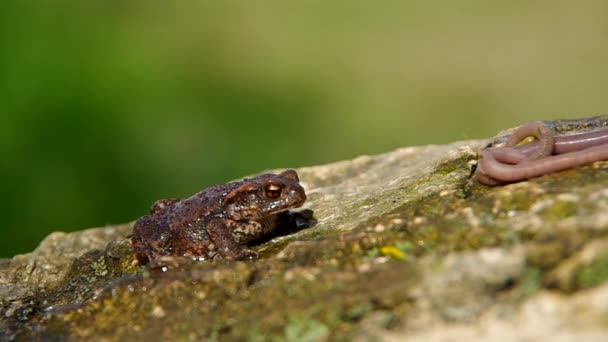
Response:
column 406, row 247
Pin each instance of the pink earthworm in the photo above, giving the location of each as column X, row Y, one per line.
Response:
column 547, row 154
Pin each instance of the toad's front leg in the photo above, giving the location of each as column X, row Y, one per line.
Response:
column 151, row 239
column 229, row 238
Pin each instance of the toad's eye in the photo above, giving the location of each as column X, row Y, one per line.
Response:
column 273, row 191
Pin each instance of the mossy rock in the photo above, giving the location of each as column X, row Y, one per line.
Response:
column 405, row 246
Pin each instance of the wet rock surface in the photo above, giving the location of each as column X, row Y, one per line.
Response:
column 405, row 247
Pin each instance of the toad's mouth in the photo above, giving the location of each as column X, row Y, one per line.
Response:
column 254, row 212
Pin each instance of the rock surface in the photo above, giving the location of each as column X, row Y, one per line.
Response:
column 406, row 247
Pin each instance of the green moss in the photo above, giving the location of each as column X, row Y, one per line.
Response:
column 593, row 274
column 530, row 282
column 305, row 330
column 559, row 210
column 508, row 204
column 452, row 165
column 358, row 311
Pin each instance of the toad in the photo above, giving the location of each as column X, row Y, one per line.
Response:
column 218, row 222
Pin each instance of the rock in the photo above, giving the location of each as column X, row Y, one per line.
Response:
column 406, row 247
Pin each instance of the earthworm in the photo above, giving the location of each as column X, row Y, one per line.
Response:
column 547, row 154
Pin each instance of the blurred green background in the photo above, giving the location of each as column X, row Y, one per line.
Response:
column 106, row 106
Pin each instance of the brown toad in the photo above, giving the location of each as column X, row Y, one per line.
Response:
column 219, row 221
